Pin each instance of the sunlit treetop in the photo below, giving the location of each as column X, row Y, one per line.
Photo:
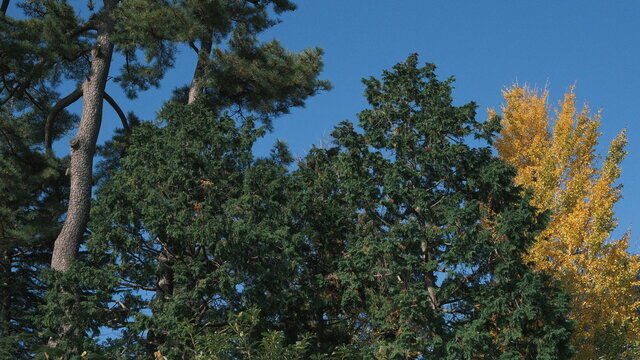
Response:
column 555, row 156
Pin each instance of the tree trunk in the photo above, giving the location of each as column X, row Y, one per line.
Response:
column 198, row 76
column 82, row 151
column 4, row 7
column 430, row 278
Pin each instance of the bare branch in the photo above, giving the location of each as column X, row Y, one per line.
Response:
column 194, row 47
column 63, row 103
column 118, row 110
column 123, row 306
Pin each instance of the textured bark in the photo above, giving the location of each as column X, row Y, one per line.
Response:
column 82, row 151
column 430, row 278
column 197, row 82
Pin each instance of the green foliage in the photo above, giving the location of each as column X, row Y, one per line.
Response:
column 82, row 300
column 51, row 44
column 191, row 215
column 401, row 241
column 404, row 240
column 434, row 268
column 265, row 79
column 235, row 341
column 32, row 189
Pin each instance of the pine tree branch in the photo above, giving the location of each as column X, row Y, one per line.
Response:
column 117, row 109
column 34, row 101
column 78, row 54
column 21, row 87
column 194, row 47
column 136, row 286
column 13, row 91
column 48, row 127
column 78, row 30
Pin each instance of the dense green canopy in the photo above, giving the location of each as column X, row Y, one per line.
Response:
column 402, row 240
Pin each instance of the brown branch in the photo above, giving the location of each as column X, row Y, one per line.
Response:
column 123, row 306
column 118, row 110
column 48, row 127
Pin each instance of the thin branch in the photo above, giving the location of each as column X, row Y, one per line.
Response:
column 451, row 301
column 23, row 86
column 89, row 25
column 63, row 103
column 118, row 110
column 33, row 101
column 136, row 286
column 12, row 92
column 194, row 47
column 123, row 306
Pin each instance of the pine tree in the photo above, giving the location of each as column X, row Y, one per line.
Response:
column 54, row 44
column 34, row 189
column 51, row 44
column 556, row 158
column 32, row 200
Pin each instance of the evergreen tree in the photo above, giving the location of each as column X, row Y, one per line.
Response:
column 34, row 189
column 402, row 241
column 194, row 228
column 54, row 44
column 434, row 268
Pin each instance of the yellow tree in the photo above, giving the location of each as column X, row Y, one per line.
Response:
column 555, row 156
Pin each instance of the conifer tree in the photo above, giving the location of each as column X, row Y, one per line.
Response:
column 51, row 44
column 55, row 44
column 556, row 157
column 33, row 192
column 433, row 269
column 34, row 189
column 401, row 241
column 194, row 228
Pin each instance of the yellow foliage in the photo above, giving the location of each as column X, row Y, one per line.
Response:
column 555, row 157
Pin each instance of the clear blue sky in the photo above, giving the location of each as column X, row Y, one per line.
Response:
column 486, row 45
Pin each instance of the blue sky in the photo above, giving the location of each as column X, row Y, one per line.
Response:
column 486, row 45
